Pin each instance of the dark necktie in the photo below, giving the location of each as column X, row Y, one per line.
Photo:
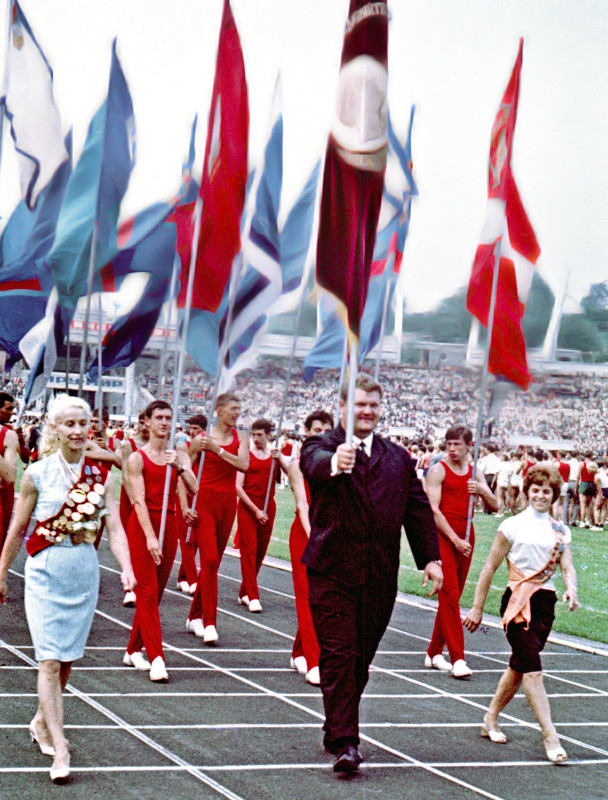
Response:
column 362, row 455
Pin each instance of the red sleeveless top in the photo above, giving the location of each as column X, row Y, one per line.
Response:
column 586, row 476
column 454, row 503
column 219, row 476
column 154, row 480
column 257, row 476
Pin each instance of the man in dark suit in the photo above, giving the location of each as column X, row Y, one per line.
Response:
column 361, row 497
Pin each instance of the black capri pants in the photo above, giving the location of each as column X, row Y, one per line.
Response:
column 528, row 644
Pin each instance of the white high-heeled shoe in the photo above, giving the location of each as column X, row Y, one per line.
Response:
column 45, row 749
column 60, row 772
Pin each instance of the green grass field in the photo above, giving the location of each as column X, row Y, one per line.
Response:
column 589, row 549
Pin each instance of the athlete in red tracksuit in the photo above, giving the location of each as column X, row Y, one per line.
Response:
column 449, row 484
column 187, row 577
column 254, row 521
column 225, row 451
column 305, row 652
column 8, row 475
column 152, row 560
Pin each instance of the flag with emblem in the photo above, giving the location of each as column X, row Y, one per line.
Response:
column 355, row 162
column 507, row 228
column 27, row 101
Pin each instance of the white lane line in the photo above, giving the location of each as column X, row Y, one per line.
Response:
column 127, row 728
column 289, row 701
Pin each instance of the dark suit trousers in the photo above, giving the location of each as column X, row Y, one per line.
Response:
column 349, row 622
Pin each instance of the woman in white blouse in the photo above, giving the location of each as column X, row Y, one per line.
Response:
column 534, row 544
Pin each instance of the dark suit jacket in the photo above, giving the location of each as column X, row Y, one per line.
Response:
column 356, row 519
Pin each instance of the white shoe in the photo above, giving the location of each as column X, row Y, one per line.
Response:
column 299, row 664
column 255, row 606
column 136, row 660
column 313, row 676
column 129, row 599
column 196, row 627
column 595, row 528
column 461, row 670
column 184, row 587
column 210, row 635
column 158, row 671
column 244, row 600
column 437, row 662
column 192, row 588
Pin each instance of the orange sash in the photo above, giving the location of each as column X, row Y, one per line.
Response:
column 522, row 587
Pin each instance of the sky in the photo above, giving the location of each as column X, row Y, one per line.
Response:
column 451, row 58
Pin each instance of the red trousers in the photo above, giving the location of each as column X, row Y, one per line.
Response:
column 187, row 569
column 253, row 543
column 216, row 512
column 305, row 643
column 448, row 625
column 151, row 582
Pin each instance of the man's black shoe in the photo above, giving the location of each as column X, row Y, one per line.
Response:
column 348, row 759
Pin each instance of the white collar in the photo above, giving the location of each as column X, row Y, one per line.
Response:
column 367, row 443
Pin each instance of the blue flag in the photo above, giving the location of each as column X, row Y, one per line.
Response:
column 94, row 192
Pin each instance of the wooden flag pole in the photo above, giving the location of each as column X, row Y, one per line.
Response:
column 87, row 314
column 198, row 210
column 168, row 320
column 484, row 380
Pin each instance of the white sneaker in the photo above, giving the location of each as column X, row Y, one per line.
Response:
column 129, row 599
column 210, row 635
column 244, row 600
column 313, row 676
column 136, row 660
column 437, row 662
column 595, row 528
column 461, row 670
column 183, row 586
column 196, row 627
column 192, row 588
column 255, row 606
column 158, row 671
column 299, row 664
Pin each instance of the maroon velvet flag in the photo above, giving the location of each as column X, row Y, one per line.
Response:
column 224, row 177
column 506, row 220
column 355, row 162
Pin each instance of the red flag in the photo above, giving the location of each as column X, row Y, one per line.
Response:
column 224, row 176
column 355, row 161
column 506, row 221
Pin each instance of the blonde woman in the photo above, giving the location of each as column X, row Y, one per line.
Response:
column 67, row 494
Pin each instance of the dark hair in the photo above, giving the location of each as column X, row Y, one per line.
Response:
column 262, row 425
column 459, row 432
column 141, row 416
column 5, row 397
column 198, row 419
column 322, row 416
column 227, row 397
column 364, row 382
column 156, row 405
column 540, row 473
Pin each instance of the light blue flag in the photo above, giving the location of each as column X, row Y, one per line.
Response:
column 94, row 192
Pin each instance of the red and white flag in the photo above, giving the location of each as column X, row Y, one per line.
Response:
column 507, row 223
column 224, row 177
column 355, row 161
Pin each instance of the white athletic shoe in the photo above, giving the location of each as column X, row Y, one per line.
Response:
column 437, row 662
column 192, row 588
column 136, row 660
column 196, row 627
column 210, row 635
column 313, row 676
column 461, row 670
column 299, row 664
column 129, row 600
column 244, row 600
column 255, row 606
column 158, row 672
column 183, row 586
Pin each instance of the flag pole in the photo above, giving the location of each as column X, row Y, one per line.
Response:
column 99, row 364
column 484, row 380
column 177, row 388
column 87, row 314
column 342, row 374
column 163, row 357
column 350, row 400
column 382, row 330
